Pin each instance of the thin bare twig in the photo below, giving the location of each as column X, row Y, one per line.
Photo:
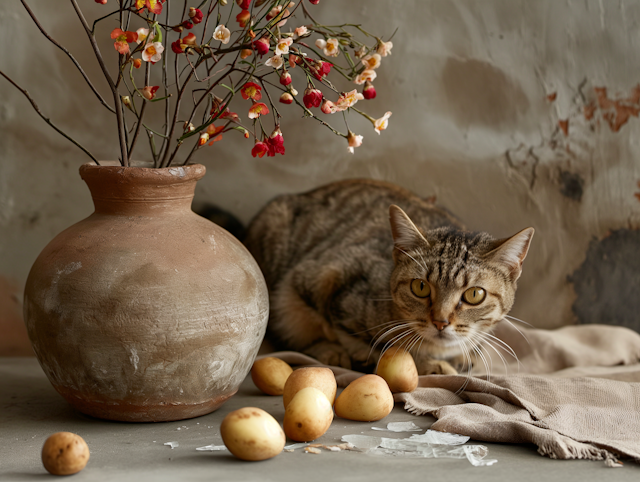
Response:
column 75, row 62
column 116, row 98
column 46, row 119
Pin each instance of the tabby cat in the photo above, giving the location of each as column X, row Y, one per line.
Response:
column 359, row 265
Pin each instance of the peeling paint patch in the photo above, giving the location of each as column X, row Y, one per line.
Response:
column 637, row 194
column 607, row 283
column 571, row 185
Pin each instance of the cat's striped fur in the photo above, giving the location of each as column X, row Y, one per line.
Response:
column 339, row 262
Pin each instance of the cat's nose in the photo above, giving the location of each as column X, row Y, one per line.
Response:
column 440, row 324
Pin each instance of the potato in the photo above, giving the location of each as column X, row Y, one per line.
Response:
column 316, row 377
column 308, row 415
column 270, row 374
column 398, row 369
column 65, row 453
column 365, row 399
column 250, row 433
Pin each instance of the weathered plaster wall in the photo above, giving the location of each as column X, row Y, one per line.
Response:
column 499, row 110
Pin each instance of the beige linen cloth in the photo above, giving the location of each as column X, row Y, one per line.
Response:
column 575, row 392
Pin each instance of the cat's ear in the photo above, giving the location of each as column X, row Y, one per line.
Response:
column 405, row 234
column 511, row 252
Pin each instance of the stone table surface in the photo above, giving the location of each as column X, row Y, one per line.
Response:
column 31, row 410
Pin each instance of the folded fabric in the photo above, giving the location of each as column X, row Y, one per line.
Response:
column 574, row 392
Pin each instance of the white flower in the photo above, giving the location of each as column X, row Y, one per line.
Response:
column 367, row 74
column 282, row 47
column 152, row 52
column 143, row 33
column 354, row 141
column 371, row 61
column 222, row 33
column 276, row 62
column 331, row 47
column 384, row 48
column 382, row 123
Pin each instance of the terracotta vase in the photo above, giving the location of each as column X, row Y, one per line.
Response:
column 145, row 311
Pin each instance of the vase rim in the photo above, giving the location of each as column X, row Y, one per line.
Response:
column 138, row 173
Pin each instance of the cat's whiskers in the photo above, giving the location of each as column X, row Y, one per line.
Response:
column 518, row 319
column 386, row 323
column 505, row 346
column 490, row 340
column 393, row 341
column 423, row 266
column 516, row 328
column 465, row 353
column 406, row 330
column 478, row 349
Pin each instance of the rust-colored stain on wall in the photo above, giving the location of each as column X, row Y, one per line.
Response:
column 616, row 112
column 637, row 194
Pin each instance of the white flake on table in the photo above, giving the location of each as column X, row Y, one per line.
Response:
column 212, row 447
column 173, row 445
column 399, row 427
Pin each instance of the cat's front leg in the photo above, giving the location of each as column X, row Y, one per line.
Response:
column 329, row 353
column 431, row 366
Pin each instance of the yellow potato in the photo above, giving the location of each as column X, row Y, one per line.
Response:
column 65, row 453
column 250, row 433
column 308, row 415
column 316, row 377
column 365, row 399
column 270, row 374
column 398, row 369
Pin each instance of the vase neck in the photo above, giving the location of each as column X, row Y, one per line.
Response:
column 134, row 191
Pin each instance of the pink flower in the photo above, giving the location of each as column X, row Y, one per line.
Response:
column 103, row 2
column 257, row 109
column 122, row 40
column 195, row 14
column 382, row 123
column 222, row 34
column 285, row 78
column 251, row 90
column 354, row 141
column 286, row 98
column 330, row 47
column 300, row 32
column 153, row 52
column 369, row 91
column 261, row 45
column 367, row 74
column 328, row 107
column 312, row 97
column 137, row 63
column 275, row 143
column 243, row 18
column 149, row 92
column 259, row 149
column 282, row 47
column 347, row 100
column 384, row 48
column 314, row 2
column 293, row 60
column 274, row 12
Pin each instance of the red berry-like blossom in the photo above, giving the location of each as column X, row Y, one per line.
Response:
column 103, row 2
column 195, row 14
column 186, row 24
column 312, row 97
column 177, row 47
column 369, row 91
column 244, row 4
column 286, row 98
column 261, row 45
column 285, row 78
column 314, row 2
column 251, row 90
column 259, row 149
column 275, row 143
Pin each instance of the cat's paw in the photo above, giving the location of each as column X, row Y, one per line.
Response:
column 436, row 367
column 330, row 354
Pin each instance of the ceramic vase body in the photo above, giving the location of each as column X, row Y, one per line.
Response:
column 145, row 311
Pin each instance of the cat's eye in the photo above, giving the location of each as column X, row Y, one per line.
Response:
column 474, row 296
column 420, row 288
